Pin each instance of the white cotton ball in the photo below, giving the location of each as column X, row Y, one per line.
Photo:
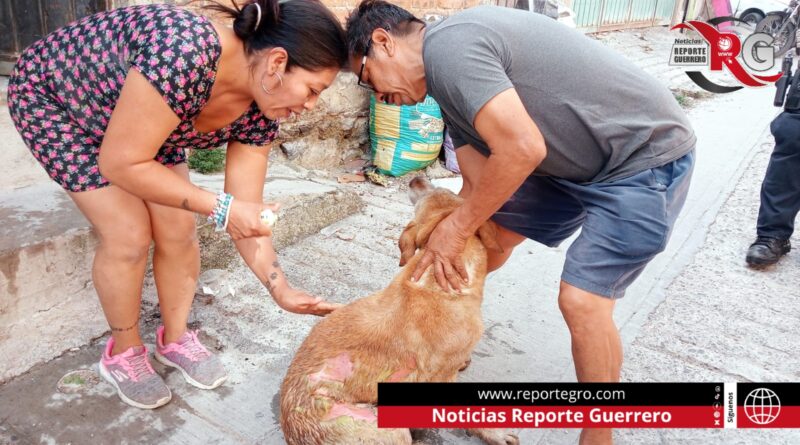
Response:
column 268, row 217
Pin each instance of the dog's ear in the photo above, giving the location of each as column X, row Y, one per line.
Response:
column 487, row 232
column 426, row 227
column 408, row 243
column 419, row 187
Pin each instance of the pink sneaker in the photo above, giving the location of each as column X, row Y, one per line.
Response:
column 199, row 367
column 136, row 382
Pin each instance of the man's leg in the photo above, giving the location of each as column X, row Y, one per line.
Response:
column 596, row 347
column 628, row 222
column 780, row 193
column 507, row 240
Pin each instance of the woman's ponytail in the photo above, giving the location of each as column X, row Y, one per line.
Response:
column 255, row 15
column 308, row 31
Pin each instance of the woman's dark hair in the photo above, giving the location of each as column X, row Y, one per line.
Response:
column 308, row 31
column 371, row 15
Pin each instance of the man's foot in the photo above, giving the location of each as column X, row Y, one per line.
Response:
column 199, row 367
column 136, row 382
column 765, row 251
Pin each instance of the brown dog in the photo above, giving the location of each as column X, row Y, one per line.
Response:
column 410, row 332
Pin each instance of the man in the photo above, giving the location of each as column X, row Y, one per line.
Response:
column 780, row 191
column 554, row 132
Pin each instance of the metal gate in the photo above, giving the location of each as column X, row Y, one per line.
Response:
column 23, row 22
column 606, row 15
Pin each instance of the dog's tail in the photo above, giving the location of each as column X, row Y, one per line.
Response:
column 315, row 415
column 300, row 419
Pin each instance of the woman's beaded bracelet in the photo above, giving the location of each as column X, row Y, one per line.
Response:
column 219, row 216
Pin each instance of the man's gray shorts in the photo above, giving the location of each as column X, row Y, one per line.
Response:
column 625, row 223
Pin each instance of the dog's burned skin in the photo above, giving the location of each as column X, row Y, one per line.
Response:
column 408, row 332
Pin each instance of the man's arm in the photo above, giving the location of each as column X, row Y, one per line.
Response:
column 517, row 148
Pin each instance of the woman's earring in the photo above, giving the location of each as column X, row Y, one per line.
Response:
column 280, row 79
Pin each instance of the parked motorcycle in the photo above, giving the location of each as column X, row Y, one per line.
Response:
column 782, row 26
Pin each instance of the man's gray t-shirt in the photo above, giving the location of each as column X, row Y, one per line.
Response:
column 601, row 116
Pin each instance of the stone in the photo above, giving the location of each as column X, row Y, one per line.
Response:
column 307, row 205
column 436, row 171
column 214, row 283
column 345, row 236
column 293, row 149
column 77, row 381
column 334, row 131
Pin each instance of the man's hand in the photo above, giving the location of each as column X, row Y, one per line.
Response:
column 300, row 302
column 444, row 250
column 517, row 148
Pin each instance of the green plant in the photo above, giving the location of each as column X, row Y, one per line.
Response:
column 689, row 98
column 683, row 100
column 207, row 161
column 74, row 379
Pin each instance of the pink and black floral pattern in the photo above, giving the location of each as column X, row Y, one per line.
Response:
column 64, row 88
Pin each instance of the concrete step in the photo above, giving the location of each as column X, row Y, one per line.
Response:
column 47, row 302
column 19, row 167
column 47, row 248
column 308, row 203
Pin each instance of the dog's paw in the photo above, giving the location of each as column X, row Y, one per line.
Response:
column 511, row 439
column 465, row 365
column 504, row 438
column 495, row 436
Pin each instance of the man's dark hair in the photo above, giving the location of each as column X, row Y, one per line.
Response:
column 371, row 15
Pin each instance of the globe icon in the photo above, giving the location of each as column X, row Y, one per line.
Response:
column 762, row 406
column 725, row 43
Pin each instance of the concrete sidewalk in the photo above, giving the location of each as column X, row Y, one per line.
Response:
column 722, row 321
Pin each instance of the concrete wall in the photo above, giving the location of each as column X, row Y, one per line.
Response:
column 342, row 8
column 420, row 8
column 47, row 301
column 337, row 129
column 19, row 168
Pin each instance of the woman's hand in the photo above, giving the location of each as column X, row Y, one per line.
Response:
column 300, row 302
column 244, row 219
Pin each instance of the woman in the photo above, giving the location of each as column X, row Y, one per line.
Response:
column 109, row 104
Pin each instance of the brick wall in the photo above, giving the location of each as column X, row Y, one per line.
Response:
column 420, row 8
column 342, row 8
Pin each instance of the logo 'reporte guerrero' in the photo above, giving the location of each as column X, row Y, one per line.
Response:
column 721, row 50
column 689, row 52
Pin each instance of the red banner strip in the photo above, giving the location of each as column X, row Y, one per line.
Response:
column 767, row 416
column 550, row 417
